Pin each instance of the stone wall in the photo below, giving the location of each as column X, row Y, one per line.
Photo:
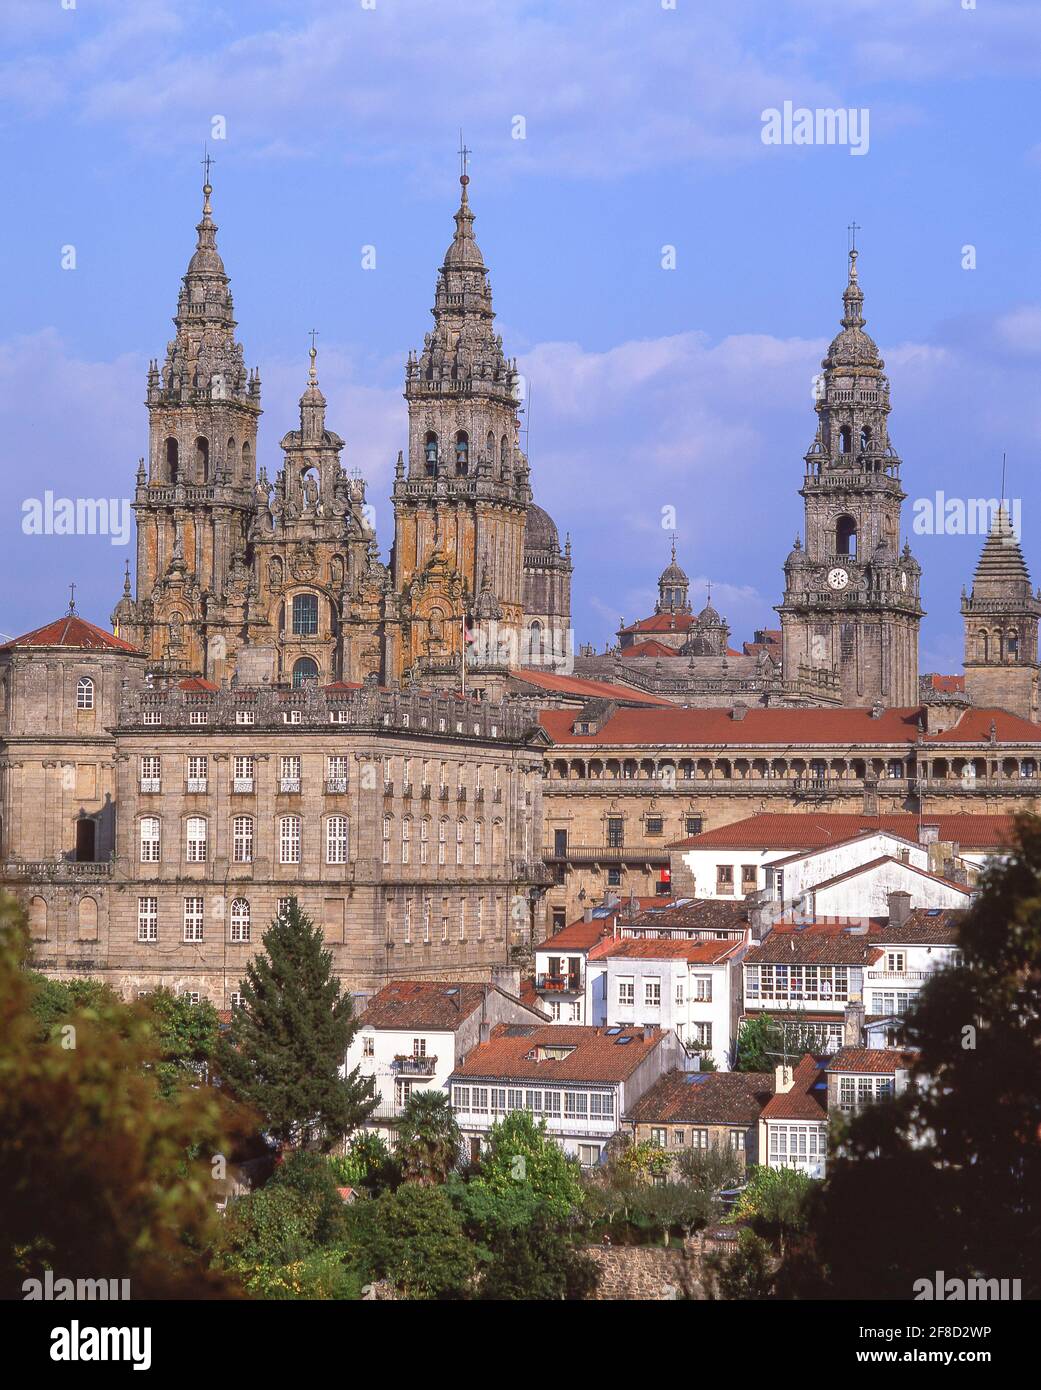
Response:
column 651, row 1273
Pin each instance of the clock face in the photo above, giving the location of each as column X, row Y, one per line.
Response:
column 838, row 578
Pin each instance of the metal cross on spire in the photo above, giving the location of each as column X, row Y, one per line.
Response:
column 72, row 598
column 853, row 228
column 206, row 161
column 464, row 159
column 314, row 335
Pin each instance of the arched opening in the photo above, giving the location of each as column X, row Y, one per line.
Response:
column 845, row 536
column 310, row 489
column 84, row 693
column 845, row 440
column 305, row 615
column 489, row 447
column 38, row 918
column 982, row 646
column 462, row 453
column 231, row 453
column 171, row 462
column 87, row 919
column 430, row 454
column 865, row 439
column 305, row 672
column 202, row 459
column 247, row 459
column 504, row 453
column 1012, row 646
column 535, row 636
column 86, row 832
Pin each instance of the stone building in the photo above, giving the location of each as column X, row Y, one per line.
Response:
column 851, row 601
column 1001, row 617
column 155, row 832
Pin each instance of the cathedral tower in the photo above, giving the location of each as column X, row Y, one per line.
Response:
column 461, row 501
column 196, row 492
column 851, row 601
column 1001, row 621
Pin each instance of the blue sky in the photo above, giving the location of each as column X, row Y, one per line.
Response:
column 686, row 388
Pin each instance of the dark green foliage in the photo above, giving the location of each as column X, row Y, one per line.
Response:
column 414, row 1238
column 429, row 1144
column 53, row 1001
column 710, row 1170
column 521, row 1155
column 744, row 1273
column 187, row 1036
column 538, row 1262
column 290, row 1037
column 296, row 1213
column 955, row 1166
column 368, row 1164
column 763, row 1042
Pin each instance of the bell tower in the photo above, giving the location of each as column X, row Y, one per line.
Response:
column 461, row 500
column 1001, row 620
column 851, row 601
column 195, row 494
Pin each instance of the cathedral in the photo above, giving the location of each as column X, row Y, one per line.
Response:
column 248, row 581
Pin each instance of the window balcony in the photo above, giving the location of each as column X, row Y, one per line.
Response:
column 333, row 785
column 195, row 784
column 558, row 984
column 289, row 784
column 407, row 1065
column 241, row 785
column 896, row 976
column 151, row 785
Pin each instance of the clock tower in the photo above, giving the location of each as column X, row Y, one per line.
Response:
column 851, row 599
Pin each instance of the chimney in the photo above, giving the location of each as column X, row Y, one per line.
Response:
column 739, row 711
column 853, row 1024
column 507, row 977
column 783, row 1078
column 899, row 907
column 486, row 1031
column 587, row 915
column 877, row 710
column 870, row 793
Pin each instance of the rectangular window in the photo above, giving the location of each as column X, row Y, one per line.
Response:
column 148, row 919
column 198, row 716
column 245, row 716
column 442, row 836
column 406, row 831
column 576, row 1105
column 151, row 774
column 652, row 992
column 289, row 774
column 615, row 832
column 336, row 773
column 388, row 825
column 627, row 991
column 694, row 825
column 152, row 716
column 701, row 1034
column 242, row 774
column 424, row 836
column 479, row 1100
column 655, row 825
column 150, row 832
column 480, row 919
column 724, row 878
column 749, row 878
column 737, row 1140
column 368, row 1047
column 533, row 1102
column 477, row 844
column 703, row 988
column 461, row 1097
column 193, row 919
column 659, row 1137
column 601, row 1105
column 197, row 774
column 408, row 921
column 699, row 1138
column 242, row 839
column 427, row 908
column 896, row 961
column 289, row 840
column 336, row 840
column 551, row 1103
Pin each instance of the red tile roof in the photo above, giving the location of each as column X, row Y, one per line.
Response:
column 646, row 649
column 198, row 685
column 439, row 1004
column 597, row 1053
column 587, row 689
column 580, row 935
column 786, row 728
column 662, row 622
column 696, row 952
column 950, row 684
column 873, row 1061
column 700, row 1097
column 72, row 631
column 816, row 943
column 790, row 830
column 808, row 1097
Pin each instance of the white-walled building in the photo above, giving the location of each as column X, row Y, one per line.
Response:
column 732, row 860
column 414, row 1032
column 579, row 1080
column 865, row 889
column 691, row 988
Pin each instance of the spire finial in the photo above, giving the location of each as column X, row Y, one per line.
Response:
column 126, row 580
column 464, row 164
column 312, row 375
column 207, row 161
column 72, row 600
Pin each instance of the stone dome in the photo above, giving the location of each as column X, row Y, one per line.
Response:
column 540, row 532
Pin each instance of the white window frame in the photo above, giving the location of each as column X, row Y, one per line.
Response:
column 290, row 840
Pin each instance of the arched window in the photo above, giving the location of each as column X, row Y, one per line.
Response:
column 84, row 693
column 865, row 439
column 1012, row 646
column 430, row 453
column 504, row 453
column 38, row 918
column 195, row 839
column 202, row 459
column 240, row 920
column 289, row 840
column 87, row 919
column 231, row 457
column 242, row 839
column 535, row 641
column 305, row 672
column 336, row 840
column 171, row 462
column 388, row 826
column 489, row 447
column 845, row 440
column 150, row 839
column 406, row 833
column 462, row 453
column 845, row 536
column 305, row 615
column 982, row 646
column 247, row 459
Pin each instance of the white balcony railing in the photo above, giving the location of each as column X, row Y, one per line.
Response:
column 196, row 784
column 289, row 784
column 332, row 784
column 242, row 784
column 151, row 784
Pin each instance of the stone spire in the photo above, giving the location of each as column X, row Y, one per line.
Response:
column 852, row 347
column 1001, row 616
column 1002, row 571
column 673, row 588
column 312, row 402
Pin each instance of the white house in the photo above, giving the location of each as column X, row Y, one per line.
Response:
column 865, row 889
column 732, row 861
column 414, row 1032
column 691, row 988
column 579, row 1080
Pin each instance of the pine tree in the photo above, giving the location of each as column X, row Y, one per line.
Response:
column 289, row 1040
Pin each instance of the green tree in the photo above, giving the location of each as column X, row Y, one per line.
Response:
column 538, row 1263
column 955, row 1162
column 54, row 1001
column 668, row 1206
column 96, row 1180
column 289, row 1040
column 187, row 1036
column 367, row 1163
column 414, row 1238
column 744, row 1273
column 520, row 1152
column 775, row 1204
column 429, row 1143
column 712, row 1170
column 296, row 1213
column 764, row 1042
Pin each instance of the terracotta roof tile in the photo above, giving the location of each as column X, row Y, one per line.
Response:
column 198, row 685
column 808, row 1097
column 874, row 1061
column 587, row 689
column 802, row 831
column 704, row 1097
column 826, row 944
column 696, row 952
column 580, row 935
column 72, row 631
column 662, row 622
column 598, row 1054
column 441, row 1004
